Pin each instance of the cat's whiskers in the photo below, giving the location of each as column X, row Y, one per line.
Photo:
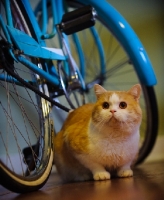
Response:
column 128, row 125
column 99, row 125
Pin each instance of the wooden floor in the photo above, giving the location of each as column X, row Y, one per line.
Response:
column 147, row 184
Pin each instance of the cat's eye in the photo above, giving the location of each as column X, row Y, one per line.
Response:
column 123, row 105
column 105, row 105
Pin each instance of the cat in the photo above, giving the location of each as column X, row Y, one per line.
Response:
column 98, row 139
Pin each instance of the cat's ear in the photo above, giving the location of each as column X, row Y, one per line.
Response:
column 99, row 90
column 135, row 91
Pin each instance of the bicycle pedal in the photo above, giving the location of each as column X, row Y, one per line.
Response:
column 28, row 154
column 78, row 20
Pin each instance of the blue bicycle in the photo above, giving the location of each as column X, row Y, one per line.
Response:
column 50, row 58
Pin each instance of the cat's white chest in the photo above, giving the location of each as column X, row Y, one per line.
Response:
column 113, row 150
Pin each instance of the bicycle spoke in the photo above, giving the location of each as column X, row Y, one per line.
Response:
column 7, row 153
column 12, row 92
column 116, row 67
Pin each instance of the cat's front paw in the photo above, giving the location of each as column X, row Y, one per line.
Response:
column 125, row 173
column 100, row 176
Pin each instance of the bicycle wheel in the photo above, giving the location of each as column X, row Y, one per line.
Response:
column 107, row 62
column 26, row 149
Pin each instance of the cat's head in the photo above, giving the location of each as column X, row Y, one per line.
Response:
column 117, row 106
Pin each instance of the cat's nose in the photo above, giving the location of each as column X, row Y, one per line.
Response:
column 112, row 111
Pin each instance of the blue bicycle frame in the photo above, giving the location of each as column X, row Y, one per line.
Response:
column 35, row 47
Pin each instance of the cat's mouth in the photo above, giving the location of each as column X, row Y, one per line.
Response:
column 116, row 119
column 113, row 118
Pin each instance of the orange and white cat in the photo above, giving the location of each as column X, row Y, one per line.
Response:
column 100, row 138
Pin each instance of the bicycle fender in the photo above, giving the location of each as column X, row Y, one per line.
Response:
column 130, row 42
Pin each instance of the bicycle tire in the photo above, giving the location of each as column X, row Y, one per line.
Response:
column 151, row 131
column 148, row 99
column 149, row 96
column 35, row 167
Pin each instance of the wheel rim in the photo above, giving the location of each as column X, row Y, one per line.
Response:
column 25, row 120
